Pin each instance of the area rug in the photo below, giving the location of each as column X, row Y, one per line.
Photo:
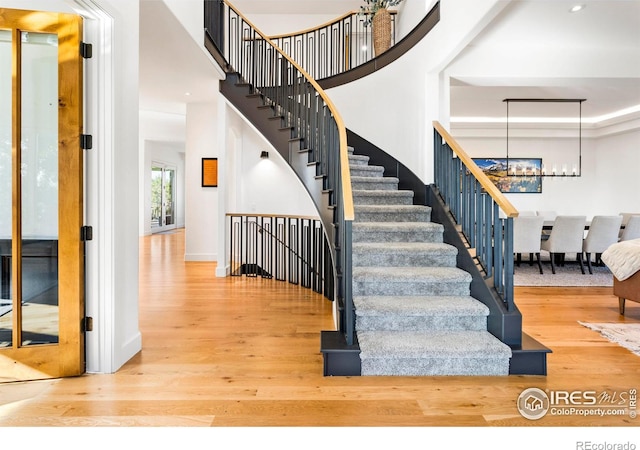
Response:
column 567, row 275
column 626, row 335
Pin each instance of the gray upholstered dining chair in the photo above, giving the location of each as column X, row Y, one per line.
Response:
column 603, row 232
column 549, row 215
column 631, row 229
column 566, row 236
column 625, row 218
column 526, row 237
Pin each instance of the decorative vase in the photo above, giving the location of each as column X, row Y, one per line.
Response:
column 381, row 23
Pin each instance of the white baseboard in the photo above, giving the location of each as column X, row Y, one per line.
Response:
column 222, row 272
column 129, row 350
column 201, row 257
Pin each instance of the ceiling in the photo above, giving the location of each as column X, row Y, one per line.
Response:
column 166, row 77
column 602, row 31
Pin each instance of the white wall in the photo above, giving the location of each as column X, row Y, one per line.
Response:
column 268, row 186
column 119, row 218
column 201, row 209
column 410, row 13
column 609, row 183
column 616, row 172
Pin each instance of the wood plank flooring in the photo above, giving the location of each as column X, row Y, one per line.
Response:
column 228, row 352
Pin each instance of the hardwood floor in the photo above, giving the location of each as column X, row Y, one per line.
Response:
column 228, row 352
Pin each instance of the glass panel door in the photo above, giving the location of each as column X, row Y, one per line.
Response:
column 39, row 187
column 41, row 196
column 163, row 205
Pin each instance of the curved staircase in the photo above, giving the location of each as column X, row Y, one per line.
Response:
column 411, row 298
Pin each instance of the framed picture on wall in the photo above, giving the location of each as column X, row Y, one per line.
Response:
column 209, row 172
column 515, row 175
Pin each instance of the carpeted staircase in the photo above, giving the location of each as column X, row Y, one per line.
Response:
column 414, row 312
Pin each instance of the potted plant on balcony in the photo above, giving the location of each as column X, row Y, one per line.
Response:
column 377, row 15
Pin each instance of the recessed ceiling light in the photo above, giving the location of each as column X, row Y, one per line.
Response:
column 187, row 93
column 576, row 8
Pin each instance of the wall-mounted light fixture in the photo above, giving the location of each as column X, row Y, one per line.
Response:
column 264, row 154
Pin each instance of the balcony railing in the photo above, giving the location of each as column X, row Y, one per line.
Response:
column 333, row 48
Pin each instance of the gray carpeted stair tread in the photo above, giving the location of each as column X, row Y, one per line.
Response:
column 410, row 281
column 393, row 213
column 404, row 274
column 392, row 208
column 377, row 183
column 432, row 353
column 404, row 254
column 425, row 344
column 397, row 232
column 359, row 170
column 420, row 313
column 390, row 180
column 382, row 192
column 358, row 160
column 382, row 195
column 410, row 247
column 382, row 305
column 413, row 227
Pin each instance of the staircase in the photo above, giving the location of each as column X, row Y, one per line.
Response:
column 414, row 312
column 421, row 307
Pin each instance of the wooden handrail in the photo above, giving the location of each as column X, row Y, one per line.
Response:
column 349, row 212
column 483, row 179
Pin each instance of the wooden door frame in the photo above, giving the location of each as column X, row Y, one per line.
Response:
column 67, row 357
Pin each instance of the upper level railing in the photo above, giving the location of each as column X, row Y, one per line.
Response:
column 334, row 47
column 295, row 98
column 475, row 204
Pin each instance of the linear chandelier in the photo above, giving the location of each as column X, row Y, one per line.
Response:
column 556, row 170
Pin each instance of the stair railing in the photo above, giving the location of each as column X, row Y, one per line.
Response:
column 483, row 213
column 334, row 47
column 282, row 247
column 296, row 99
